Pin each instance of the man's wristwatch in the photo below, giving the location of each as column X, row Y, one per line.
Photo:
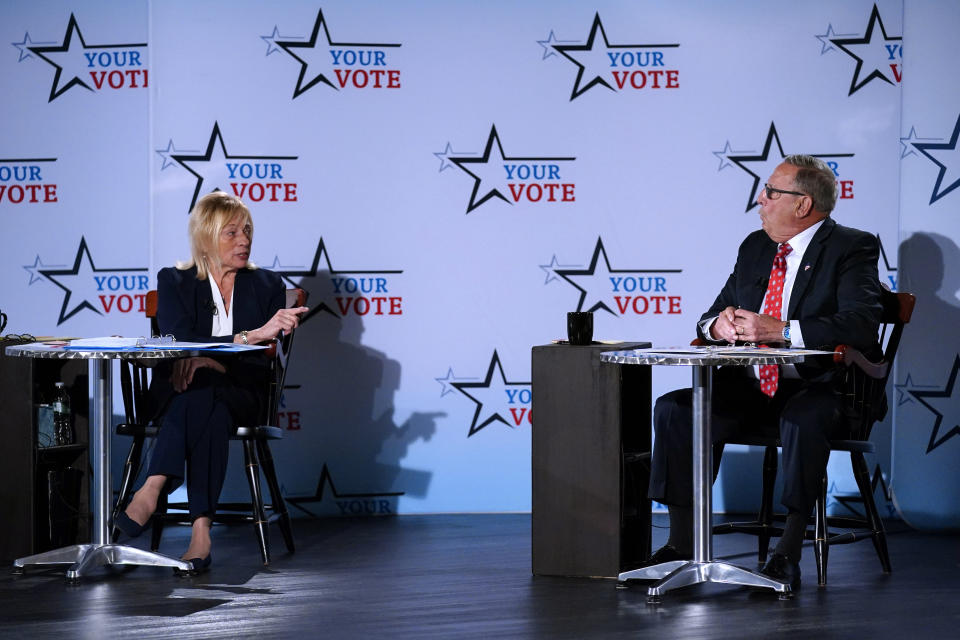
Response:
column 786, row 333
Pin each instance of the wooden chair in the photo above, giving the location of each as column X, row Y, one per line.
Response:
column 255, row 440
column 864, row 385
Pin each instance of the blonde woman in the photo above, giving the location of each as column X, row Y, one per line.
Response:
column 217, row 296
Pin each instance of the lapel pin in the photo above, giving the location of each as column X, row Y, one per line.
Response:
column 806, row 268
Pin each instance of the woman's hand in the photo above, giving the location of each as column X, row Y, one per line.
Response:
column 283, row 321
column 184, row 368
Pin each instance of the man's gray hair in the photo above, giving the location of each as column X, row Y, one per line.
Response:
column 815, row 179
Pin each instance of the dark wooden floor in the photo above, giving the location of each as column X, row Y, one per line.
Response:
column 460, row 576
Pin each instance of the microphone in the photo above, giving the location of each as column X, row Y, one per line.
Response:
column 761, row 282
column 211, row 307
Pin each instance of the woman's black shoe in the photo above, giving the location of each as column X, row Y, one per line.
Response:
column 129, row 526
column 197, row 566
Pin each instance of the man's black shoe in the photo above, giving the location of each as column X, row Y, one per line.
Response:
column 666, row 553
column 780, row 568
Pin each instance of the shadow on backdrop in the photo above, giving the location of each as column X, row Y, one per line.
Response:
column 342, row 455
column 926, row 450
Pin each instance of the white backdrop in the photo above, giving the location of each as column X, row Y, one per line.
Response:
column 449, row 178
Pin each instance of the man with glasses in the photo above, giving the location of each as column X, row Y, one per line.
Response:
column 806, row 281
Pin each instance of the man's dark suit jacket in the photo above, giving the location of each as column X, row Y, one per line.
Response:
column 836, row 294
column 185, row 310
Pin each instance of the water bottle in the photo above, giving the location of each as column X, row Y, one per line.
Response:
column 62, row 420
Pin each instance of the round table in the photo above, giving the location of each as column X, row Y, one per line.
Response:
column 85, row 557
column 703, row 568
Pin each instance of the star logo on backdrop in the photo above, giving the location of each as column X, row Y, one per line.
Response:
column 24, row 46
column 946, row 156
column 760, row 166
column 591, row 59
column 445, row 155
column 322, row 269
column 871, row 53
column 446, row 383
column 210, row 167
column 326, row 480
column 551, row 269
column 825, row 44
column 271, row 40
column 35, row 269
column 724, row 155
column 548, row 48
column 67, row 59
column 490, row 395
column 72, row 68
column 79, row 284
column 276, row 266
column 906, row 387
column 595, row 282
column 316, row 61
column 907, row 143
column 488, row 173
column 945, row 405
column 167, row 154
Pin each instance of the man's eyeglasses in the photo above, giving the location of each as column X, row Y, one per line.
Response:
column 773, row 190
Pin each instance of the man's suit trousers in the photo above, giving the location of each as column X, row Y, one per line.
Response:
column 808, row 415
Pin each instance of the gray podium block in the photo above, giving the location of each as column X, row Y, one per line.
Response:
column 591, row 444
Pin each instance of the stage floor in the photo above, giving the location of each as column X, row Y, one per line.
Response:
column 462, row 576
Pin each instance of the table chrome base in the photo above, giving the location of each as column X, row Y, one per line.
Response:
column 85, row 557
column 683, row 573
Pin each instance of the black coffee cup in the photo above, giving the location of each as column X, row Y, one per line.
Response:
column 580, row 327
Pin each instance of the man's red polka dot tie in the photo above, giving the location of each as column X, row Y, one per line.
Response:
column 770, row 373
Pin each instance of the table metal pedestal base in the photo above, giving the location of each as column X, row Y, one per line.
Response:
column 86, row 557
column 683, row 573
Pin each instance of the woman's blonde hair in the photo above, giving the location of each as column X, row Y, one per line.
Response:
column 209, row 216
